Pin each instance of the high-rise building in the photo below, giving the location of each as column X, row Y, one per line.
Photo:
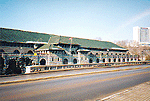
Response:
column 141, row 35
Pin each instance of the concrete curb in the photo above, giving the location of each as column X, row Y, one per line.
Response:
column 127, row 92
column 68, row 69
column 18, row 81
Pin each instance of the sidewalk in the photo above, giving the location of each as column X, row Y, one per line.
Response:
column 137, row 93
column 58, row 74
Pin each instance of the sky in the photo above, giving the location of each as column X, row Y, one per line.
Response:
column 110, row 20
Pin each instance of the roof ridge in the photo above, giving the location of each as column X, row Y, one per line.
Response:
column 27, row 31
column 51, row 34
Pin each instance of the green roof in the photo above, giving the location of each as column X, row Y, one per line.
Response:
column 86, row 43
column 12, row 35
column 50, row 46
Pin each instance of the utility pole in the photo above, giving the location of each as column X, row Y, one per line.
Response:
column 70, row 50
column 142, row 55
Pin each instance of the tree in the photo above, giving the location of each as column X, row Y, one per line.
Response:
column 98, row 38
column 135, row 48
column 147, row 57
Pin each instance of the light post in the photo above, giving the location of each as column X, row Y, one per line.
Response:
column 108, row 55
column 142, row 55
column 70, row 50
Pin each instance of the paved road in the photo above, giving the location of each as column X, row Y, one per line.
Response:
column 78, row 88
column 61, row 73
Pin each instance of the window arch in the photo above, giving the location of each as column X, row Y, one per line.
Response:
column 109, row 60
column 74, row 61
column 91, row 60
column 91, row 54
column 72, row 52
column 103, row 60
column 65, row 61
column 16, row 52
column 30, row 52
column 42, row 62
column 97, row 60
column 123, row 60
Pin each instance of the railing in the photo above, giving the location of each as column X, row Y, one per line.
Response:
column 46, row 68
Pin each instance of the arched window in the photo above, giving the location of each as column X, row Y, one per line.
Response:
column 65, row 61
column 43, row 62
column 109, row 60
column 97, row 60
column 119, row 60
column 52, row 59
column 91, row 54
column 91, row 60
column 103, row 60
column 115, row 60
column 123, row 60
column 74, row 61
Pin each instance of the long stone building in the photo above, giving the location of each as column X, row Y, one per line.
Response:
column 49, row 49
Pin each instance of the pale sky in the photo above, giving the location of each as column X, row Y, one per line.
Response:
column 109, row 19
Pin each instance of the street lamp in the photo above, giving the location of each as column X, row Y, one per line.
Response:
column 142, row 55
column 108, row 55
column 70, row 49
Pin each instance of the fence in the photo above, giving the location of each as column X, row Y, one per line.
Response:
column 47, row 68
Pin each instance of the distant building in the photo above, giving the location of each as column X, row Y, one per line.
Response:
column 48, row 49
column 141, row 35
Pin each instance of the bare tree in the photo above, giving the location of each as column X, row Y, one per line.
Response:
column 135, row 48
column 98, row 38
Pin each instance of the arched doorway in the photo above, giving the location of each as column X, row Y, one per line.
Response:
column 74, row 61
column 119, row 60
column 91, row 60
column 65, row 61
column 43, row 62
column 16, row 52
column 97, row 60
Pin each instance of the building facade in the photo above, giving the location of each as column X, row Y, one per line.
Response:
column 141, row 35
column 49, row 49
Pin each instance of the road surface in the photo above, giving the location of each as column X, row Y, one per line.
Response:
column 78, row 88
